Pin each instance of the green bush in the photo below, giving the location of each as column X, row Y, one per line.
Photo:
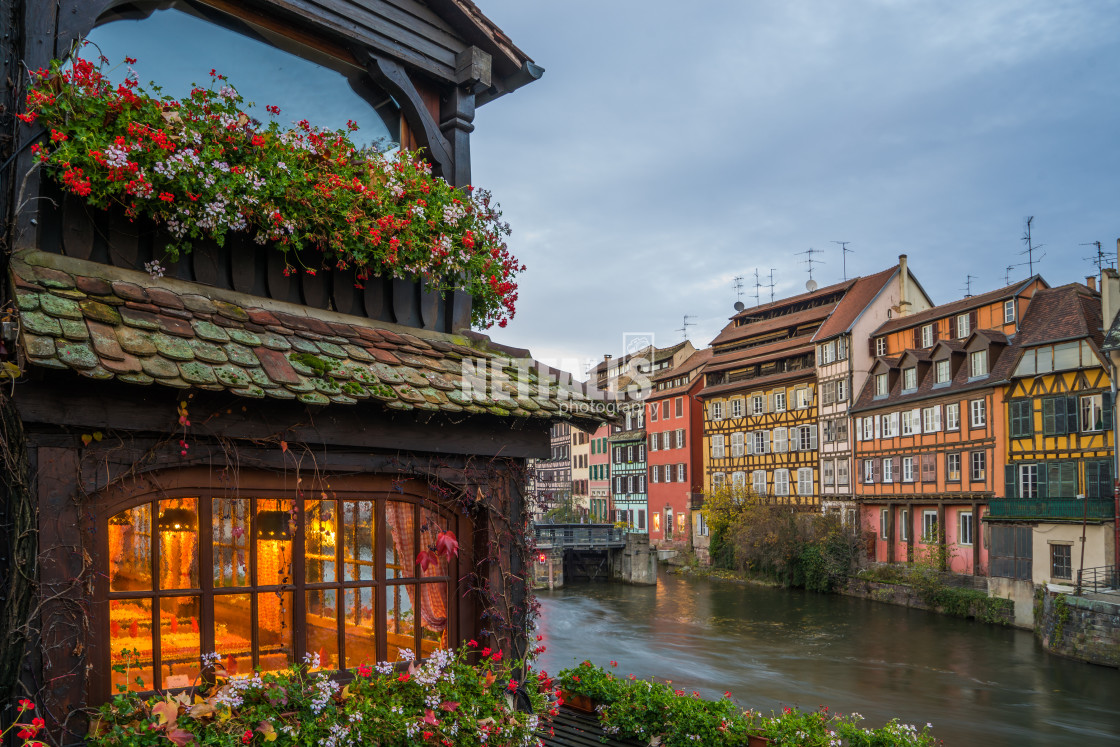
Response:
column 658, row 713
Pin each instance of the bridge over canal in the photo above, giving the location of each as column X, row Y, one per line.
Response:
column 591, row 552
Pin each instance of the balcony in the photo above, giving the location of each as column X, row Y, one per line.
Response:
column 1052, row 509
column 696, row 501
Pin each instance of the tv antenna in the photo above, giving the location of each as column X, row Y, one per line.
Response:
column 757, row 285
column 968, row 285
column 812, row 284
column 738, row 287
column 771, row 285
column 685, row 324
column 1029, row 251
column 1007, row 274
column 844, row 252
column 1100, row 260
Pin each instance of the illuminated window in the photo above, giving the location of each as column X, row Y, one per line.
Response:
column 225, row 572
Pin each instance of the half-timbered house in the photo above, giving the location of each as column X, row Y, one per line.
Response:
column 928, row 428
column 760, row 399
column 231, row 458
column 843, row 364
column 1058, row 479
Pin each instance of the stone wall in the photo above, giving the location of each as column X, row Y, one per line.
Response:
column 1079, row 628
column 636, row 563
column 550, row 573
column 904, row 595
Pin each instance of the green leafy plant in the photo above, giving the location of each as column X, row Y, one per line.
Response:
column 660, row 713
column 445, row 700
column 203, row 168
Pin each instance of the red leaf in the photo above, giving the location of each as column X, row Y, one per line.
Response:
column 447, row 545
column 180, row 736
column 449, row 705
column 283, row 446
column 430, row 717
column 425, row 558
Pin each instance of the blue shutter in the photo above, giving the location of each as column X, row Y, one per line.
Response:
column 1071, row 414
column 1010, row 487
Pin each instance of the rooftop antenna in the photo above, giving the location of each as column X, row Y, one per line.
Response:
column 844, row 252
column 812, row 284
column 757, row 285
column 771, row 285
column 685, row 324
column 1029, row 251
column 968, row 285
column 738, row 287
column 1007, row 274
column 1101, row 261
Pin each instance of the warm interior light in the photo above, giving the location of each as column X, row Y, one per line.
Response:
column 177, row 520
column 273, row 525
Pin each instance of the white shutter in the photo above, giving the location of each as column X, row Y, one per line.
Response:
column 894, row 423
column 812, row 437
column 749, row 439
column 765, row 442
column 859, row 429
column 916, row 417
column 875, row 420
column 937, row 418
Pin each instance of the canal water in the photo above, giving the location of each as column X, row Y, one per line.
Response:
column 977, row 684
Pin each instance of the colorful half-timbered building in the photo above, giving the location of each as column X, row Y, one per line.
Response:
column 843, row 364
column 929, row 428
column 1058, row 480
column 760, row 398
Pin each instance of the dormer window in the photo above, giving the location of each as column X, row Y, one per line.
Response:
column 910, row 378
column 942, row 374
column 979, row 363
column 880, row 346
column 1009, row 311
column 963, row 327
column 927, row 336
column 881, row 388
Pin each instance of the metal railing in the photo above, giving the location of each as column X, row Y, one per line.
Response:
column 1101, row 580
column 1061, row 509
column 579, row 536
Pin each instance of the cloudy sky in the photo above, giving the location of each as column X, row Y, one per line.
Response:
column 672, row 146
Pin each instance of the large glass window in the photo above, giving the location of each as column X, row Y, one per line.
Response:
column 260, row 580
column 177, row 43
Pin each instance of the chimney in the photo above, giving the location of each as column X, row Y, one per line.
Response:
column 1091, row 281
column 903, row 286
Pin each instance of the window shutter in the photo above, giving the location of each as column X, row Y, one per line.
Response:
column 876, row 470
column 937, row 418
column 765, row 442
column 972, row 321
column 917, row 337
column 1043, row 482
column 859, row 429
column 1071, row 414
column 795, row 439
column 812, row 437
column 935, row 336
column 871, row 346
column 1092, row 480
column 896, row 465
column 1010, row 486
column 1106, row 410
column 1049, row 416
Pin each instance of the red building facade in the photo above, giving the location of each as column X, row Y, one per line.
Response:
column 674, row 452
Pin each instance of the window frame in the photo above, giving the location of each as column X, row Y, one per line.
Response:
column 252, row 486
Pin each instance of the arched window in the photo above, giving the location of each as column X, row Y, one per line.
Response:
column 177, row 43
column 260, row 575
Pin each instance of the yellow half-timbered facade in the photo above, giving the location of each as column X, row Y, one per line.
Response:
column 1058, row 477
column 760, row 399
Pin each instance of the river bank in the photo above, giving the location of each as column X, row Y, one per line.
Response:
column 940, row 594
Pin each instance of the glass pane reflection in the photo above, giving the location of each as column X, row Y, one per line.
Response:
column 176, row 48
column 177, row 525
column 231, row 541
column 361, row 630
column 130, row 644
column 130, row 549
column 400, row 630
column 179, row 643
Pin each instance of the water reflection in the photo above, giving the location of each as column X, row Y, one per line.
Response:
column 977, row 684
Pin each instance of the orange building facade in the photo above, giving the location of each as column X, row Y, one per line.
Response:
column 930, row 440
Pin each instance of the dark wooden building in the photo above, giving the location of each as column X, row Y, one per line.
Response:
column 229, row 458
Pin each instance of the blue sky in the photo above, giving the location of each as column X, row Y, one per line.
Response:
column 672, row 146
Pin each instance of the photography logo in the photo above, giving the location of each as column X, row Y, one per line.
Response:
column 636, row 342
